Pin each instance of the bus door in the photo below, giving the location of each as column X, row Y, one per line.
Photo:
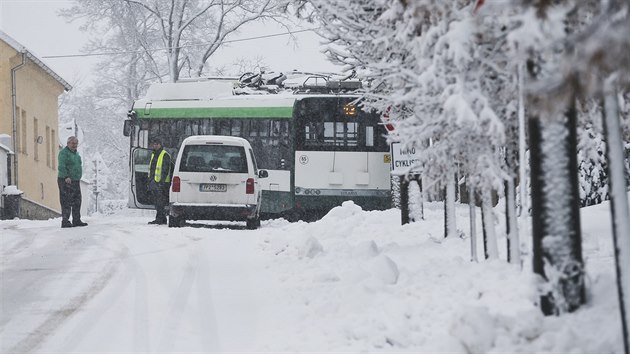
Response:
column 139, row 196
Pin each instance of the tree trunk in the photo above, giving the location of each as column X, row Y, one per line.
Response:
column 416, row 205
column 404, row 200
column 522, row 146
column 487, row 216
column 618, row 206
column 557, row 243
column 511, row 161
column 419, row 181
column 513, row 243
column 450, row 223
column 473, row 223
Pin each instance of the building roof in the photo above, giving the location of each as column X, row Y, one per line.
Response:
column 22, row 49
column 5, row 148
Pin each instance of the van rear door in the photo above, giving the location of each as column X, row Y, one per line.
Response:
column 213, row 174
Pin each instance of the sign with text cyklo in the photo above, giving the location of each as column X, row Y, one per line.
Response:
column 403, row 158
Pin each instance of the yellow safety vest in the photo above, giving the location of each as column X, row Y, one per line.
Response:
column 158, row 168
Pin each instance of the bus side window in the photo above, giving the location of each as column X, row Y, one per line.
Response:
column 309, row 134
column 264, row 127
column 369, row 136
column 274, row 133
column 189, row 128
column 236, row 128
column 329, row 133
column 207, row 127
column 352, row 134
column 224, row 127
column 253, row 128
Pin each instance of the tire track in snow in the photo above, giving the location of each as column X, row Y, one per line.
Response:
column 177, row 305
column 141, row 341
column 130, row 274
column 54, row 321
column 26, row 239
column 210, row 339
column 180, row 304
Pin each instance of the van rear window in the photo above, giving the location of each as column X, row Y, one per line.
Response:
column 213, row 158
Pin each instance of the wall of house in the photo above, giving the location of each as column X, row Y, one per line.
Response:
column 37, row 102
column 4, row 178
column 6, row 52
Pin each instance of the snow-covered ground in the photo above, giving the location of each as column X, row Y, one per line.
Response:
column 355, row 281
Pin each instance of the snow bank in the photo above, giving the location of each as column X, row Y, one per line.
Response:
column 367, row 284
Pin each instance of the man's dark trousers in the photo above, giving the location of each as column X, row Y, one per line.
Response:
column 70, row 197
column 160, row 198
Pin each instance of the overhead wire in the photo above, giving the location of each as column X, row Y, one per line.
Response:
column 166, row 48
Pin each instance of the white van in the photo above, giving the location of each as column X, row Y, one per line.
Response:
column 215, row 178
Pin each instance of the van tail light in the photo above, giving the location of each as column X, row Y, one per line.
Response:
column 249, row 186
column 176, row 184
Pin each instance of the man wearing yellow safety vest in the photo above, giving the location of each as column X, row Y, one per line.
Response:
column 160, row 172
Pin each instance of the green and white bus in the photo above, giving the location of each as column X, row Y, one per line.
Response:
column 318, row 147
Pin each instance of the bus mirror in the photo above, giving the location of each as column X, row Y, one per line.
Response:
column 263, row 174
column 131, row 114
column 127, row 128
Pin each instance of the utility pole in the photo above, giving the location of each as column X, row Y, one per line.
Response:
column 95, row 188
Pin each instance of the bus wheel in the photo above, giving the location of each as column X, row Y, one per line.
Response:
column 174, row 221
column 253, row 223
column 293, row 215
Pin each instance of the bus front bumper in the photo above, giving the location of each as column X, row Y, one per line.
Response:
column 226, row 212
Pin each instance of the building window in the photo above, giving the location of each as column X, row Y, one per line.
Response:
column 47, row 142
column 54, row 149
column 41, row 186
column 23, row 138
column 35, row 136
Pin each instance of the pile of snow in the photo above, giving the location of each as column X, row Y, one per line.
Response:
column 363, row 283
column 11, row 190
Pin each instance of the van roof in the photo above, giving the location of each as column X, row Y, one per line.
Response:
column 215, row 139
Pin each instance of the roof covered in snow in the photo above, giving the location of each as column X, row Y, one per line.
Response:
column 22, row 49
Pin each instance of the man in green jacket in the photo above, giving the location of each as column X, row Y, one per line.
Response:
column 69, row 174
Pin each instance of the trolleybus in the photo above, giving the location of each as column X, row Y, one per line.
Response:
column 318, row 147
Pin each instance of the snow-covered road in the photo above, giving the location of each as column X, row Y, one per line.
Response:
column 120, row 285
column 355, row 282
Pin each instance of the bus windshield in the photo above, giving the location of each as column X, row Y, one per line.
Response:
column 326, row 124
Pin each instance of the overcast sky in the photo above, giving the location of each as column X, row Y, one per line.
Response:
column 35, row 24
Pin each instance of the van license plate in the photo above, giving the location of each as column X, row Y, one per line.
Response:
column 212, row 187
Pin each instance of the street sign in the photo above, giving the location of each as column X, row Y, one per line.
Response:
column 385, row 119
column 403, row 159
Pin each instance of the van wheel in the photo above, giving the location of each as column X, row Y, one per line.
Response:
column 174, row 221
column 253, row 223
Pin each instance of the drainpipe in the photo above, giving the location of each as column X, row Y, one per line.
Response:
column 15, row 122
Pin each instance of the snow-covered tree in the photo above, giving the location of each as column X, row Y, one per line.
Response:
column 581, row 50
column 428, row 58
column 593, row 178
column 104, row 183
column 456, row 79
column 171, row 37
